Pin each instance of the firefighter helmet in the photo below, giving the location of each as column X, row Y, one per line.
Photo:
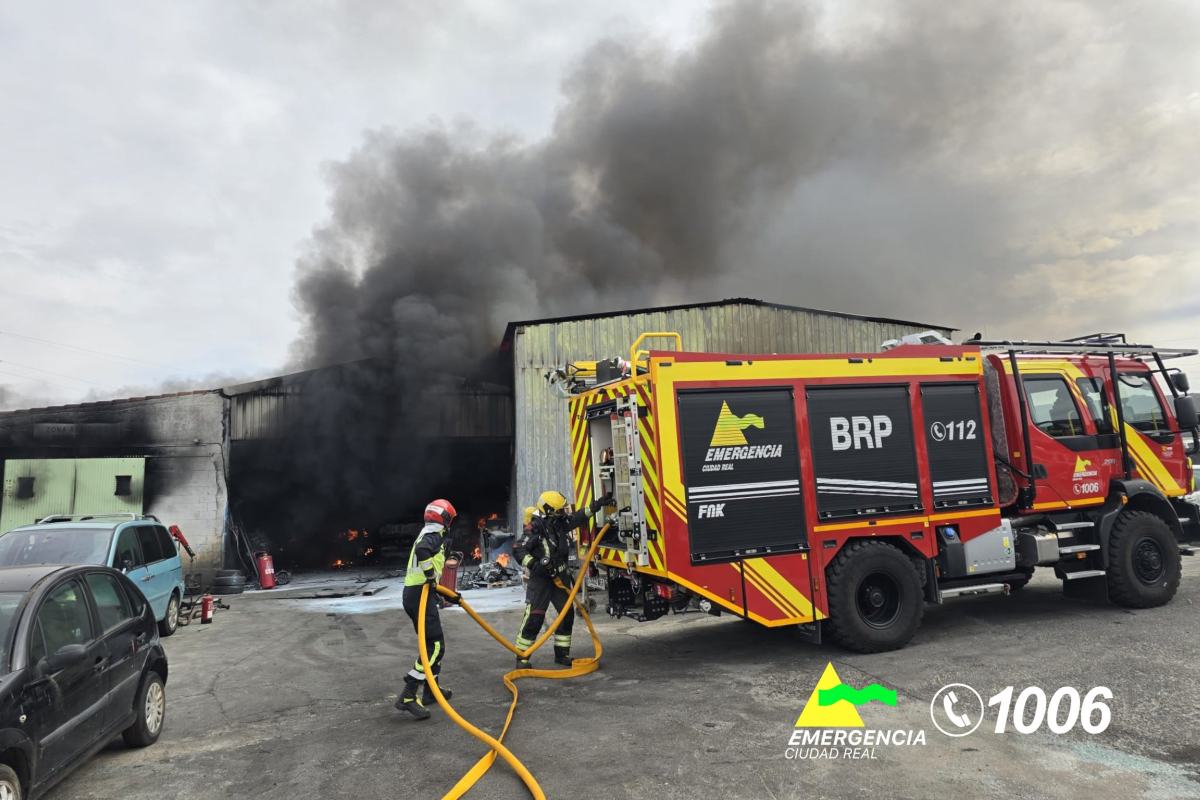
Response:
column 551, row 501
column 440, row 511
column 529, row 512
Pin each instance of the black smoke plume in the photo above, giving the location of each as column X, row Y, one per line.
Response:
column 890, row 166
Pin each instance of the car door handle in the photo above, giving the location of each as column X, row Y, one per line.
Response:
column 99, row 666
column 148, row 577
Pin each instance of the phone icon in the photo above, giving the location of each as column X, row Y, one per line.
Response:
column 949, row 701
column 957, row 709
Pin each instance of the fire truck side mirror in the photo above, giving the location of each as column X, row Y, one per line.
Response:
column 1185, row 412
column 1180, row 381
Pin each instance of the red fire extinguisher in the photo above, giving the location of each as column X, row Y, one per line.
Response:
column 206, row 609
column 266, row 570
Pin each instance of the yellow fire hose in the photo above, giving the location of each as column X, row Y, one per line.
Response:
column 580, row 666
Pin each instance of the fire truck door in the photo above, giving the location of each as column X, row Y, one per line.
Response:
column 1076, row 455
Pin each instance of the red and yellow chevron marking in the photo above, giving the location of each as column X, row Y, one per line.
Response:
column 674, row 504
column 781, row 593
column 1149, row 465
column 581, row 457
column 582, row 468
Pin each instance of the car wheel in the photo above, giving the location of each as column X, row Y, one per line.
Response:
column 170, row 621
column 10, row 784
column 875, row 599
column 150, row 709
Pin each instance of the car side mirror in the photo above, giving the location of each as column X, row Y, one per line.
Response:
column 69, row 655
column 1185, row 412
column 1180, row 381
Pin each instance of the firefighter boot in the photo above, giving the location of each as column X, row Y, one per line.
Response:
column 408, row 699
column 427, row 698
column 562, row 656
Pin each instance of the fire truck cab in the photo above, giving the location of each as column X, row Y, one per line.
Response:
column 842, row 492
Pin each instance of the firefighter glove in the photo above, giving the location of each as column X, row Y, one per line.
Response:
column 601, row 502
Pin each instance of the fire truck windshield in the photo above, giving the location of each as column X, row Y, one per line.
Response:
column 1140, row 404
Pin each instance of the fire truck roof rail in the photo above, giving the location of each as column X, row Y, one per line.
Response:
column 1097, row 344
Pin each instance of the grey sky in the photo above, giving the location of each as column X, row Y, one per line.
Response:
column 161, row 165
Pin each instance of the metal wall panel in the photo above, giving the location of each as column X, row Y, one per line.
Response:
column 70, row 486
column 53, row 490
column 473, row 411
column 541, row 441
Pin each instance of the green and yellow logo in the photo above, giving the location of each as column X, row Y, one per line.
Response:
column 728, row 432
column 834, row 704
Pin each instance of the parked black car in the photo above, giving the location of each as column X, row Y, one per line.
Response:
column 82, row 663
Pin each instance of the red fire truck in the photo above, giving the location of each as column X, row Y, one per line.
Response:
column 841, row 492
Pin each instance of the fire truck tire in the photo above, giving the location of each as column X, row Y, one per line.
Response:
column 875, row 599
column 1143, row 561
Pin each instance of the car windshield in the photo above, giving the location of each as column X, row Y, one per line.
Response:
column 55, row 546
column 8, row 617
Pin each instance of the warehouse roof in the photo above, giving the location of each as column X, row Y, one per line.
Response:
column 512, row 327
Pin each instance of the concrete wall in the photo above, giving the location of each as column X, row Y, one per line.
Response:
column 541, row 442
column 186, row 481
column 182, row 438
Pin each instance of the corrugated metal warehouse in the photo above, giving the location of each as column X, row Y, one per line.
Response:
column 227, row 459
column 739, row 325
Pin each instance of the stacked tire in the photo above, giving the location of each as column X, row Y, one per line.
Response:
column 229, row 581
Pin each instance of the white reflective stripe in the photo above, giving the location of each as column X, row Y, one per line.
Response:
column 739, row 495
column 972, row 490
column 848, row 482
column 731, row 487
column 879, row 493
column 961, row 482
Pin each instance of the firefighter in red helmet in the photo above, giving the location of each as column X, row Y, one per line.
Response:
column 425, row 564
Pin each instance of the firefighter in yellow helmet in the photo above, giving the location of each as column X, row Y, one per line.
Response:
column 544, row 547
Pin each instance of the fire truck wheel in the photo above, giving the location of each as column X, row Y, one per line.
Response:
column 1143, row 561
column 875, row 600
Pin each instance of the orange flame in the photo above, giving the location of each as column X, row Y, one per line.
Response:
column 503, row 559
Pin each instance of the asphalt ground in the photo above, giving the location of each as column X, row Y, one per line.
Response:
column 280, row 699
